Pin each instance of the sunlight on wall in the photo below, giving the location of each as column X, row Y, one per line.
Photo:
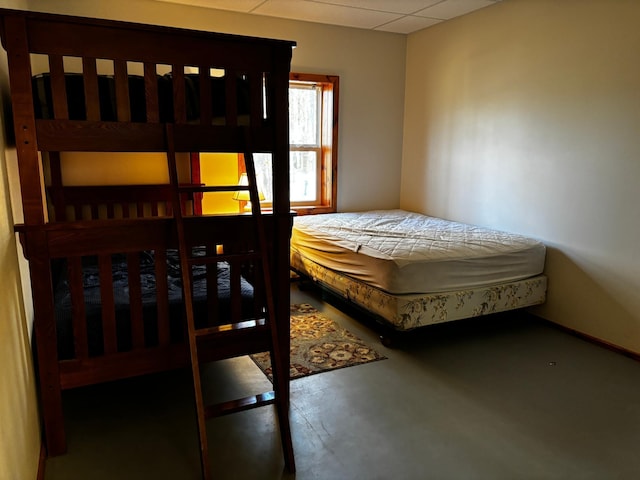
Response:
column 105, row 168
column 537, row 135
column 219, row 169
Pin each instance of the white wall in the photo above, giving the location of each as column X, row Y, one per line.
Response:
column 525, row 116
column 370, row 65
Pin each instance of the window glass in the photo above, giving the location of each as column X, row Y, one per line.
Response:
column 313, row 129
column 304, row 113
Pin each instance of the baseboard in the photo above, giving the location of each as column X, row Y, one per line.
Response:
column 602, row 343
column 42, row 460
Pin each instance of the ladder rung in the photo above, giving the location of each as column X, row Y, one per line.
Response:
column 232, row 340
column 229, row 327
column 212, row 188
column 224, row 257
column 239, row 405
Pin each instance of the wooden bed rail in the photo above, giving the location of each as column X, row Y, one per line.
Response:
column 206, row 84
column 95, row 247
column 117, row 201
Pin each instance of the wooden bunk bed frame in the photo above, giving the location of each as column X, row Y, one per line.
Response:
column 47, row 237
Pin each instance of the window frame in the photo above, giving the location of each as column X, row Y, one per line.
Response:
column 328, row 170
column 328, row 181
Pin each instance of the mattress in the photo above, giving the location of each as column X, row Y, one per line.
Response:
column 410, row 311
column 403, row 252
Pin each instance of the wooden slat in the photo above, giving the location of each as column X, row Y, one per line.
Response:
column 135, row 42
column 179, row 97
column 151, row 92
column 258, row 291
column 107, row 304
column 79, row 136
column 196, row 179
column 213, row 303
column 135, row 300
column 58, row 88
column 232, row 340
column 206, row 113
column 75, row 373
column 57, row 192
column 91, row 95
column 240, row 404
column 162, row 297
column 122, row 90
column 92, row 237
column 255, row 92
column 231, row 97
column 78, row 315
column 234, row 291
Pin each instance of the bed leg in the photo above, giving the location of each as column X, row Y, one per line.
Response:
column 389, row 336
column 51, row 402
column 387, row 340
column 46, row 350
column 306, row 284
column 54, row 425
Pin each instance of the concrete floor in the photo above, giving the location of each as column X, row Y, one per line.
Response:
column 503, row 397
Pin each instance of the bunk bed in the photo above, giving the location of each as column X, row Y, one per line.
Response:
column 100, row 257
column 408, row 270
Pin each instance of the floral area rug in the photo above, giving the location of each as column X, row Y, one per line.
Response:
column 318, row 345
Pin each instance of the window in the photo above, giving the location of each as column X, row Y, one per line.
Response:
column 313, row 137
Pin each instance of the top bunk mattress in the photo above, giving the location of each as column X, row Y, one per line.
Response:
column 403, row 252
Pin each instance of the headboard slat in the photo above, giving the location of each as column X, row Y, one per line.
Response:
column 206, row 114
column 91, row 94
column 135, row 300
column 107, row 304
column 122, row 90
column 76, row 291
column 162, row 297
column 58, row 88
column 151, row 93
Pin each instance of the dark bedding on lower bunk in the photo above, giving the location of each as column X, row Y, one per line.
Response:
column 120, row 277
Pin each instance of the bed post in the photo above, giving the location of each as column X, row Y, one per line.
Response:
column 281, row 203
column 45, row 342
column 15, row 41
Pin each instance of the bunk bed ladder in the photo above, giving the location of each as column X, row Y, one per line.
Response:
column 217, row 336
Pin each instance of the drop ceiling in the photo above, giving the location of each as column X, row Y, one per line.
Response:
column 398, row 16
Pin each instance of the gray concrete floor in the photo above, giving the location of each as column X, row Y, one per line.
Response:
column 504, row 397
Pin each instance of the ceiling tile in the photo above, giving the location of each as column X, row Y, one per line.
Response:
column 393, row 6
column 234, row 5
column 324, row 13
column 398, row 16
column 453, row 8
column 408, row 24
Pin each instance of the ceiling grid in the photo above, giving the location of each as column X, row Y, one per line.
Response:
column 397, row 16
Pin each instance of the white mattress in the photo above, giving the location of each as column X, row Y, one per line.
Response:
column 403, row 252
